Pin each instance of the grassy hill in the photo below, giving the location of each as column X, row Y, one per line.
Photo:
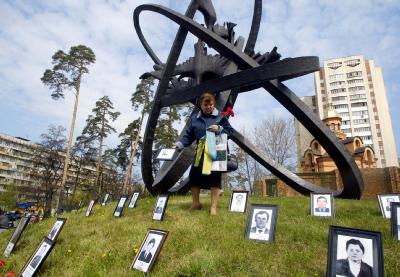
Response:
column 198, row 245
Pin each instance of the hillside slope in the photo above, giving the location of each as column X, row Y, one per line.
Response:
column 197, row 244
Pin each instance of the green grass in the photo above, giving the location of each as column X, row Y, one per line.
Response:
column 197, row 244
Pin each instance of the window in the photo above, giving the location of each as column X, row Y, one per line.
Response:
column 357, row 105
column 336, row 76
column 358, row 113
column 338, row 90
column 337, row 83
column 361, row 121
column 343, row 115
column 352, row 63
column 334, row 65
column 355, row 81
column 357, row 88
column 354, row 74
column 358, row 96
column 339, row 98
column 346, row 130
column 366, row 138
column 362, row 129
column 341, row 106
column 346, row 122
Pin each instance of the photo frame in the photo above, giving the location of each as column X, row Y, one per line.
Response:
column 38, row 257
column 384, row 203
column 160, row 207
column 134, row 199
column 322, row 204
column 120, row 206
column 395, row 220
column 90, row 207
column 56, row 229
column 348, row 245
column 261, row 222
column 238, row 201
column 149, row 250
column 106, row 196
column 16, row 236
column 166, row 154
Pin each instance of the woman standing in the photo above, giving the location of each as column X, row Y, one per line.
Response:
column 208, row 119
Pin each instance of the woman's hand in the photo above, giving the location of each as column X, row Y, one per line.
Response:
column 213, row 128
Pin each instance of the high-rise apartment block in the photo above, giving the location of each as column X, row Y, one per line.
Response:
column 356, row 90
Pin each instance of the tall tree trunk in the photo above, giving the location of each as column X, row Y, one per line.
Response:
column 71, row 136
column 133, row 153
column 99, row 155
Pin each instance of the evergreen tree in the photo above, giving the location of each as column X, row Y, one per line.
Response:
column 141, row 99
column 98, row 128
column 66, row 74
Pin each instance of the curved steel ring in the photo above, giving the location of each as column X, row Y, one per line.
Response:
column 352, row 181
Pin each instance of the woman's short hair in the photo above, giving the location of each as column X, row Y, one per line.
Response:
column 207, row 96
column 355, row 242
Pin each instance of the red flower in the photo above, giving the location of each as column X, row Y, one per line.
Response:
column 2, row 262
column 228, row 112
column 10, row 274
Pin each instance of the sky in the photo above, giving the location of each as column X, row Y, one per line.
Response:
column 32, row 31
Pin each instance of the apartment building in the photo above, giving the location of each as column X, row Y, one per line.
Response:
column 16, row 164
column 356, row 89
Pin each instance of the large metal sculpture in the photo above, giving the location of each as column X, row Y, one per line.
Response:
column 234, row 70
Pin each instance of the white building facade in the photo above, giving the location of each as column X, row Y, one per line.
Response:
column 356, row 89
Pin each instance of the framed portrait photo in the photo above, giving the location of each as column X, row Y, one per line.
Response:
column 105, row 199
column 166, row 154
column 238, row 201
column 57, row 227
column 322, row 204
column 354, row 252
column 16, row 235
column 159, row 208
column 38, row 257
column 384, row 203
column 90, row 208
column 395, row 220
column 134, row 199
column 120, row 206
column 149, row 250
column 261, row 223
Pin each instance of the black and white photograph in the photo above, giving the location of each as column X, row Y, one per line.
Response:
column 238, row 201
column 120, row 206
column 159, row 208
column 105, row 199
column 384, row 203
column 37, row 259
column 134, row 199
column 261, row 223
column 322, row 204
column 354, row 252
column 149, row 250
column 395, row 220
column 16, row 235
column 166, row 154
column 90, row 208
column 57, row 227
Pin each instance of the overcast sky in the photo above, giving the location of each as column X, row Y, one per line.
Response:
column 32, row 31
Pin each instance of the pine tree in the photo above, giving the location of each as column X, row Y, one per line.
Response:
column 66, row 74
column 98, row 128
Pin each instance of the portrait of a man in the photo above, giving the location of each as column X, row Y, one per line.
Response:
column 55, row 229
column 385, row 200
column 260, row 226
column 322, row 203
column 149, row 250
column 160, row 206
column 146, row 255
column 133, row 200
column 120, row 206
column 353, row 265
column 238, row 202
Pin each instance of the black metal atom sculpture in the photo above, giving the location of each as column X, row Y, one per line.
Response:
column 232, row 71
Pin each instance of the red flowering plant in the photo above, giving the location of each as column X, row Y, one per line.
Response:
column 2, row 262
column 228, row 112
column 10, row 274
